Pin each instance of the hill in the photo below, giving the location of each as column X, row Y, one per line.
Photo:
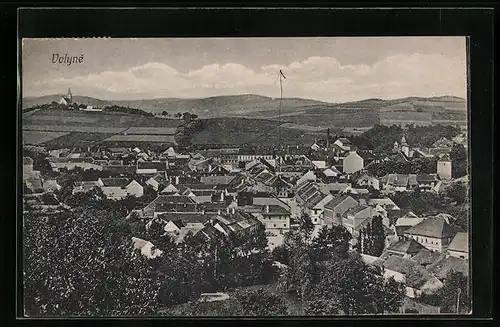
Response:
column 221, row 105
column 36, row 101
column 300, row 112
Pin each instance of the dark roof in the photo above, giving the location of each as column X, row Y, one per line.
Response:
column 115, row 182
column 425, row 257
column 355, row 210
column 158, row 165
column 336, row 201
column 408, row 246
column 460, row 242
column 426, row 178
column 185, row 217
column 435, row 227
column 444, row 264
column 217, row 179
column 416, row 275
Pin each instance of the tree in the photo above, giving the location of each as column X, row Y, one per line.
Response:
column 281, row 255
column 455, row 283
column 351, row 287
column 260, row 303
column 372, row 238
column 82, row 263
column 164, row 113
column 457, row 192
column 459, row 161
column 331, row 242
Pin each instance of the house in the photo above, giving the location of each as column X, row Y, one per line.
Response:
column 394, row 182
column 312, row 200
column 355, row 219
column 169, row 189
column 158, row 181
column 344, row 143
column 435, row 233
column 426, row 181
column 331, row 172
column 119, row 188
column 335, row 188
column 180, row 224
column 51, row 185
column 444, row 167
column 352, row 163
column 217, row 180
column 319, row 164
column 151, row 167
column 170, row 203
column 69, row 163
column 169, row 153
column 147, row 248
column 405, row 222
column 406, row 248
column 445, row 264
column 416, row 278
column 459, row 246
column 366, row 180
column 426, row 257
column 309, row 176
column 334, row 209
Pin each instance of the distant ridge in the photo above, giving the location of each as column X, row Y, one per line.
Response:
column 437, row 109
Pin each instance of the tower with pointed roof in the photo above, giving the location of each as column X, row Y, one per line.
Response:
column 69, row 96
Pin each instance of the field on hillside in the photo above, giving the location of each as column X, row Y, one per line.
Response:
column 336, row 118
column 240, row 131
column 76, row 139
column 38, row 137
column 74, row 118
column 67, row 128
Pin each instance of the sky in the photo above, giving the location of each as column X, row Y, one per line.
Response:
column 331, row 69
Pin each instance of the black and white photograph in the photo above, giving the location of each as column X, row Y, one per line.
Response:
column 245, row 176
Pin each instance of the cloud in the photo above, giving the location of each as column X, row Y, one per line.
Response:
column 321, row 78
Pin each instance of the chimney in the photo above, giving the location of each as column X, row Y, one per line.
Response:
column 267, row 208
column 176, row 180
column 227, row 209
column 232, row 210
column 218, row 211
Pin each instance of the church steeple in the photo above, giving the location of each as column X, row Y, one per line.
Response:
column 69, row 96
column 403, row 140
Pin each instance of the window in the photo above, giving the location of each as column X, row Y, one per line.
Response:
column 274, row 225
column 284, row 225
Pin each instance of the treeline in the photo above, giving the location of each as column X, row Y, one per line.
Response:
column 132, row 111
column 382, row 138
column 415, row 166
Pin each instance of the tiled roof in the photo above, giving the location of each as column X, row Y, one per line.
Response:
column 416, row 275
column 460, row 243
column 185, row 217
column 336, row 201
column 444, row 264
column 426, row 178
column 408, row 246
column 435, row 227
column 425, row 257
column 115, row 182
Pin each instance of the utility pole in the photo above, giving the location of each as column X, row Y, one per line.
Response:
column 458, row 298
column 281, row 76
